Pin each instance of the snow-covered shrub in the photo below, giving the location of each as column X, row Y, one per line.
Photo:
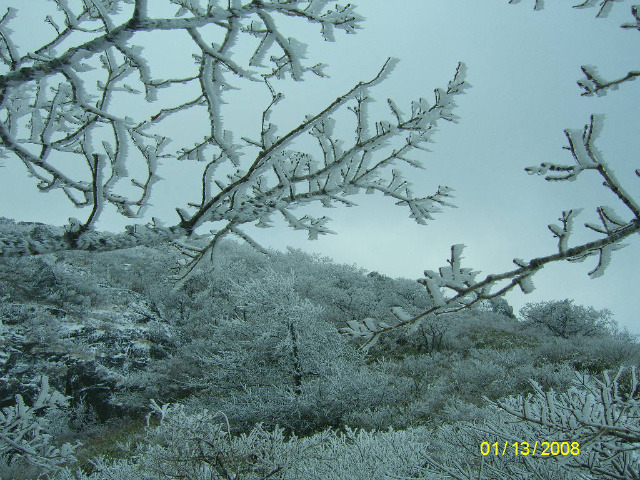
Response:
column 456, row 410
column 197, row 445
column 601, row 413
column 479, row 328
column 606, row 352
column 378, row 418
column 367, row 396
column 25, row 439
column 454, row 453
column 434, row 397
column 551, row 375
column 565, row 320
column 474, row 376
column 274, row 360
column 49, row 281
column 433, row 335
column 494, row 373
column 425, row 369
column 593, row 354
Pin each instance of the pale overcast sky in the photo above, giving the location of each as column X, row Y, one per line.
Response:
column 523, row 66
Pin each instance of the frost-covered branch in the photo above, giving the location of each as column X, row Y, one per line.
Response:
column 593, row 83
column 604, row 6
column 635, row 11
column 51, row 94
column 279, row 179
column 461, row 283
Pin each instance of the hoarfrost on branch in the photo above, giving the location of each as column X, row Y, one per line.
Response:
column 48, row 95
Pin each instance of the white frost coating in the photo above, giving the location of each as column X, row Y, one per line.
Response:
column 12, row 48
column 556, row 229
column 269, row 136
column 370, row 324
column 562, row 233
column 62, row 95
column 388, row 68
column 579, row 149
column 103, row 14
column 297, row 48
column 604, row 259
column 315, row 6
column 333, row 181
column 362, row 128
column 396, row 111
column 98, row 187
column 119, row 164
column 261, row 51
column 520, row 262
column 367, row 330
column 612, row 216
column 537, row 169
column 432, row 283
column 401, row 314
column 327, row 32
column 454, row 276
column 182, row 11
column 526, row 284
column 314, row 226
column 135, row 54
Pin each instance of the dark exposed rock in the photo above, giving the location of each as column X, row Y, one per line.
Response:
column 85, row 355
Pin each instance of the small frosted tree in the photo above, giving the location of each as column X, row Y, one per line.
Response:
column 275, row 338
column 565, row 320
column 65, row 100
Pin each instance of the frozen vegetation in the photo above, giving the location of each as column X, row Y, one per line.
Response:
column 251, row 364
column 242, row 374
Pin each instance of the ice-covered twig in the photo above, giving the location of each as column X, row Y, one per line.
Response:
column 593, row 84
column 635, row 11
column 563, row 231
column 587, row 157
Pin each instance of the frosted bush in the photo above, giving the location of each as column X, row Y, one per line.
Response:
column 454, row 453
column 602, row 413
column 198, row 446
column 24, row 437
